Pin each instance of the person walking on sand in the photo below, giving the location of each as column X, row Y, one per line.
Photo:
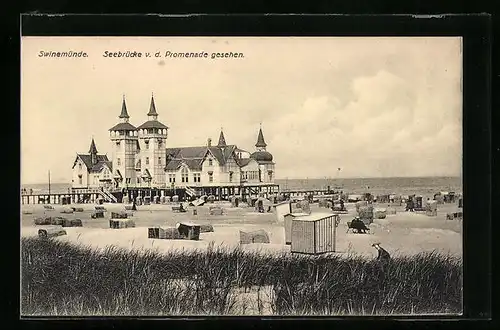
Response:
column 383, row 255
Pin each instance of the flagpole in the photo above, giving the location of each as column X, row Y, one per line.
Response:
column 49, row 184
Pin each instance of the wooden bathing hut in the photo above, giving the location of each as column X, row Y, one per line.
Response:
column 288, row 219
column 314, row 233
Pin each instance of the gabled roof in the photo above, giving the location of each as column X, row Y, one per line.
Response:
column 193, row 156
column 187, row 152
column 123, row 127
column 152, row 124
column 192, row 164
column 87, row 160
column 243, row 161
column 100, row 165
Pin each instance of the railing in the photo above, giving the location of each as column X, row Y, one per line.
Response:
column 253, row 191
column 108, row 197
column 190, row 191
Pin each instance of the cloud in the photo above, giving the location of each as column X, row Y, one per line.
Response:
column 385, row 130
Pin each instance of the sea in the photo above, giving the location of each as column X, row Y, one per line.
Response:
column 426, row 186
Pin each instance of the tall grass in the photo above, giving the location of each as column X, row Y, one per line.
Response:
column 62, row 279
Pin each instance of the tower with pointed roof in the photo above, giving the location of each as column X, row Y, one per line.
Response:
column 261, row 143
column 264, row 158
column 93, row 152
column 124, row 148
column 153, row 153
column 222, row 139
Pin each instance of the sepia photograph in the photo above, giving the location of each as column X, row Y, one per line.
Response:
column 287, row 176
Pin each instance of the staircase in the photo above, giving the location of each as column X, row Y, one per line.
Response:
column 108, row 197
column 190, row 192
column 253, row 191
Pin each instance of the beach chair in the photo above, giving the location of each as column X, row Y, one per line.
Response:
column 216, row 210
column 178, row 208
column 357, row 227
column 97, row 215
column 51, row 231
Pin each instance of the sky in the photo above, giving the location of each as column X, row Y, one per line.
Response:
column 373, row 107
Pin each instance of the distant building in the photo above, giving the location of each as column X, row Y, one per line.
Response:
column 142, row 160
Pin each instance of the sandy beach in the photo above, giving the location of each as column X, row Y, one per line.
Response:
column 404, row 233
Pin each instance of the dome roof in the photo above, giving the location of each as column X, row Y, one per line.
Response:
column 262, row 156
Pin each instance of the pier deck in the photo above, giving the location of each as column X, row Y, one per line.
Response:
column 80, row 195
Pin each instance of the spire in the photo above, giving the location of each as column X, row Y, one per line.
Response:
column 93, row 152
column 222, row 140
column 124, row 114
column 152, row 107
column 93, row 149
column 260, row 139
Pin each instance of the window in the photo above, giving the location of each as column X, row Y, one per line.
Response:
column 171, row 178
column 210, row 162
column 118, row 161
column 184, row 175
column 80, row 166
column 159, row 160
column 196, row 177
column 147, row 145
column 80, row 179
column 231, row 177
column 147, row 160
column 138, row 180
column 270, row 176
column 210, row 177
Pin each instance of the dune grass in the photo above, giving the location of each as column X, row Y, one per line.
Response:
column 59, row 278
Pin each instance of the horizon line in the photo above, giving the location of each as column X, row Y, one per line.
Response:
column 317, row 178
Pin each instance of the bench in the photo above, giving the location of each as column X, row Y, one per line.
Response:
column 357, row 227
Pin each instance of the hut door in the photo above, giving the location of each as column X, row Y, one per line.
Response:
column 320, row 236
column 330, row 233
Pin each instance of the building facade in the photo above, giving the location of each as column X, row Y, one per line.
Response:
column 92, row 170
column 141, row 158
